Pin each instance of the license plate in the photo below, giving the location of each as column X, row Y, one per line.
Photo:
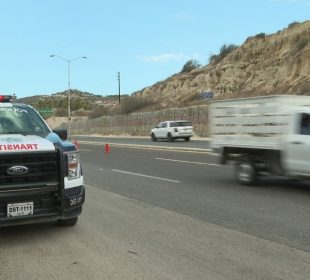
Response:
column 19, row 209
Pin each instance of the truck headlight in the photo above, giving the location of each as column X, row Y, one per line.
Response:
column 74, row 166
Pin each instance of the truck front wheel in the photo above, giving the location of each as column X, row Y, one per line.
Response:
column 169, row 137
column 153, row 137
column 245, row 172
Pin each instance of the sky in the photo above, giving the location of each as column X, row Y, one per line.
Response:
column 146, row 41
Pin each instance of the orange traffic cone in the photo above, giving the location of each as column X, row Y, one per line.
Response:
column 107, row 148
column 77, row 144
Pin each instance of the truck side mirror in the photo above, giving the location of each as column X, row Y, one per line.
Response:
column 62, row 133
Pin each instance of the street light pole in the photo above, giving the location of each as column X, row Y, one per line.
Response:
column 68, row 61
column 119, row 87
column 69, row 99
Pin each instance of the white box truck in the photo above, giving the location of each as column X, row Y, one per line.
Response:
column 262, row 136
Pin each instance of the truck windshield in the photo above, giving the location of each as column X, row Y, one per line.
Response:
column 18, row 119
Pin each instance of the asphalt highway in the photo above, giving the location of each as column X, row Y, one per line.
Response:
column 194, row 184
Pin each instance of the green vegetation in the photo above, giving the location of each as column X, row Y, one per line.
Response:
column 81, row 103
column 132, row 103
column 85, row 104
column 190, row 65
column 224, row 51
column 260, row 35
column 99, row 112
column 292, row 24
column 59, row 102
column 129, row 104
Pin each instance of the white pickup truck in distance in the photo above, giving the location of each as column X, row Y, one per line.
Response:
column 262, row 136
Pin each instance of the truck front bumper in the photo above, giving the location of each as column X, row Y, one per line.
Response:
column 48, row 205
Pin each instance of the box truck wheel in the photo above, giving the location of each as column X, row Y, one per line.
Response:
column 245, row 171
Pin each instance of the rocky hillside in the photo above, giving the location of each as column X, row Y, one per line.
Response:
column 263, row 65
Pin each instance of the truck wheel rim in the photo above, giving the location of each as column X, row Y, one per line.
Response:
column 245, row 172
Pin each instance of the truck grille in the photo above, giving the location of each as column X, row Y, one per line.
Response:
column 40, row 185
column 42, row 167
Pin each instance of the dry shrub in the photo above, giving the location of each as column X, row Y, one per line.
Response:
column 132, row 103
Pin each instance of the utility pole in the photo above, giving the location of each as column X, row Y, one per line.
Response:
column 119, row 87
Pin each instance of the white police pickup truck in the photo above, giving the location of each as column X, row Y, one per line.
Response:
column 41, row 178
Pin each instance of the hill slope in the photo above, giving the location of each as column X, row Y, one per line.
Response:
column 263, row 65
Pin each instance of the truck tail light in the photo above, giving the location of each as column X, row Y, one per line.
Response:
column 74, row 166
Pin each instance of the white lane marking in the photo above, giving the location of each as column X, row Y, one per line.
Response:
column 146, row 176
column 185, row 161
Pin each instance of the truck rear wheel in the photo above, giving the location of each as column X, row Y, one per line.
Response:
column 245, row 172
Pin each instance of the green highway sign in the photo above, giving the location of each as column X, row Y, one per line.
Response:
column 46, row 110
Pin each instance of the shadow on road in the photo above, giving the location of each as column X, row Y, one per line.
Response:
column 25, row 233
column 274, row 185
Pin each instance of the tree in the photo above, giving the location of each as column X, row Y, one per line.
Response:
column 190, row 65
column 224, row 51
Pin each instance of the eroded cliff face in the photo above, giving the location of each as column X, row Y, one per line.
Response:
column 263, row 65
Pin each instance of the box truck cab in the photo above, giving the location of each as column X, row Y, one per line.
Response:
column 41, row 178
column 296, row 152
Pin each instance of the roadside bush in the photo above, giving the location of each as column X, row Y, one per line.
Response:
column 99, row 112
column 131, row 104
column 226, row 49
column 212, row 58
column 61, row 112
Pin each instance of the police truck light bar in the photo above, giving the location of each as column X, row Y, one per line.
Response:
column 7, row 98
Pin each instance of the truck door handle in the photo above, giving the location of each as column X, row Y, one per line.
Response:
column 296, row 143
